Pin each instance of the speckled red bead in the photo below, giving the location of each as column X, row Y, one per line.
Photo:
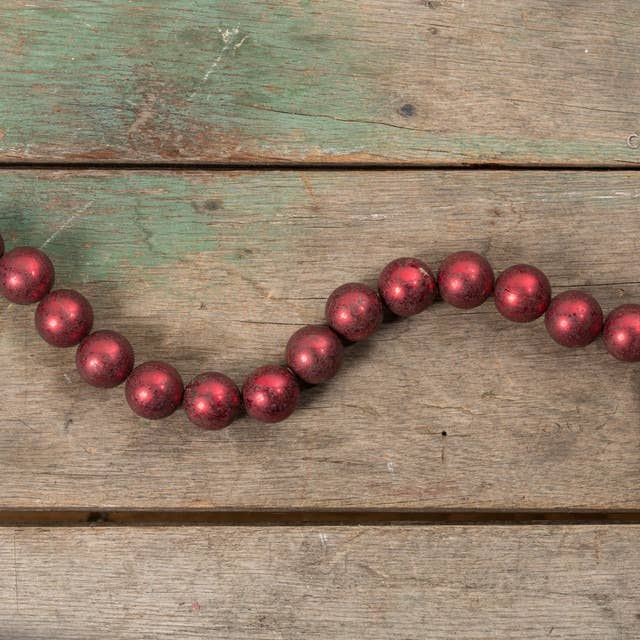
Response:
column 212, row 401
column 270, row 393
column 154, row 390
column 354, row 311
column 64, row 318
column 522, row 293
column 104, row 359
column 574, row 319
column 465, row 279
column 26, row 275
column 621, row 332
column 407, row 286
column 314, row 353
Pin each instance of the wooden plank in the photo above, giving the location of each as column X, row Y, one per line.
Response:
column 214, row 270
column 366, row 81
column 335, row 582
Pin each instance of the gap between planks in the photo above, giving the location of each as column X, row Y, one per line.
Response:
column 297, row 166
column 70, row 517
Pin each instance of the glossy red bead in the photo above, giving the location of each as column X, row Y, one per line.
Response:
column 354, row 311
column 407, row 286
column 465, row 279
column 154, row 390
column 574, row 319
column 270, row 393
column 621, row 332
column 64, row 318
column 522, row 293
column 104, row 359
column 212, row 401
column 26, row 275
column 314, row 353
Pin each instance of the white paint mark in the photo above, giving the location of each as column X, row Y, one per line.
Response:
column 66, row 223
column 323, row 540
column 229, row 39
column 67, row 378
column 391, row 470
column 586, row 50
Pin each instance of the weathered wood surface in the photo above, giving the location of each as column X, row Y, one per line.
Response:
column 337, row 582
column 214, row 270
column 373, row 81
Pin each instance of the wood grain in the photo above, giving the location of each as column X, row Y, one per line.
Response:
column 340, row 81
column 337, row 582
column 214, row 270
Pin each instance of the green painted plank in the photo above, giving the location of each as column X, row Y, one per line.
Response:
column 215, row 270
column 371, row 81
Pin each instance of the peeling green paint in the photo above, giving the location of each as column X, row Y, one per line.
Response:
column 294, row 80
column 97, row 225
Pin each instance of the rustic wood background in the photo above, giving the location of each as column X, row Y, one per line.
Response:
column 207, row 172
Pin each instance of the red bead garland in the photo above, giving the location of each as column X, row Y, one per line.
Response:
column 314, row 353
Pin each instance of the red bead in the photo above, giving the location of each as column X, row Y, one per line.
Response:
column 64, row 318
column 354, row 311
column 270, row 393
column 154, row 390
column 26, row 275
column 522, row 293
column 465, row 279
column 212, row 401
column 407, row 286
column 104, row 359
column 574, row 319
column 622, row 332
column 314, row 353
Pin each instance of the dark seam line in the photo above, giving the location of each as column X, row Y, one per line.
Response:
column 284, row 166
column 303, row 518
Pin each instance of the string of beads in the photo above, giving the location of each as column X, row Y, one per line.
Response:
column 313, row 355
